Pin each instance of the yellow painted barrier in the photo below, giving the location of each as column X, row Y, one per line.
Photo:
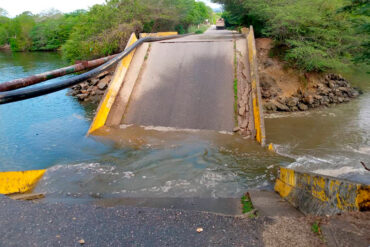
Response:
column 113, row 89
column 159, row 34
column 19, row 182
column 256, row 91
column 321, row 195
column 116, row 84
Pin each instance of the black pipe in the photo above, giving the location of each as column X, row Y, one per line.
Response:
column 27, row 93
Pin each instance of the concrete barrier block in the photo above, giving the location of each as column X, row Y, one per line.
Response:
column 321, row 195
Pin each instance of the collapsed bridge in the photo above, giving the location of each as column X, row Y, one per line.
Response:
column 192, row 82
column 207, row 81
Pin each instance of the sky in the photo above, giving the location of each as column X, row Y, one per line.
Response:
column 15, row 7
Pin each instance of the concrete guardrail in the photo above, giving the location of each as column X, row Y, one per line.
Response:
column 321, row 195
column 259, row 122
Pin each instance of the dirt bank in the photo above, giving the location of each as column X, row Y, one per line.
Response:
column 4, row 47
column 287, row 89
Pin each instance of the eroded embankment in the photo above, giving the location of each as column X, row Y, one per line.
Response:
column 288, row 90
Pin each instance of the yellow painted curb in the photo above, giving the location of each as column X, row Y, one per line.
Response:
column 256, row 91
column 116, row 84
column 159, row 34
column 319, row 194
column 19, row 182
column 113, row 89
column 271, row 148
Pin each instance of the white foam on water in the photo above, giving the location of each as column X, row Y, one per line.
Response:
column 168, row 129
column 92, row 168
column 339, row 171
column 287, row 114
column 361, row 150
column 125, row 126
column 226, row 132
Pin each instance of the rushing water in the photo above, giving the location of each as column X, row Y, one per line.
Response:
column 331, row 141
column 50, row 132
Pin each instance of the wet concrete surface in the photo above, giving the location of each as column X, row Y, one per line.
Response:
column 187, row 83
column 43, row 224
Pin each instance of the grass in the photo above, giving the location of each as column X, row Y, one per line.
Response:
column 247, row 205
column 316, row 228
column 197, row 29
column 147, row 52
column 235, row 84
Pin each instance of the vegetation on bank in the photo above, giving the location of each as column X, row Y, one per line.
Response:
column 100, row 31
column 312, row 35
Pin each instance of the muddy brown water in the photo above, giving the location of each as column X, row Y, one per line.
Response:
column 331, row 141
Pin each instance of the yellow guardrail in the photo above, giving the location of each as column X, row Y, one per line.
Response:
column 117, row 81
column 321, row 195
column 113, row 89
column 159, row 34
column 19, row 182
column 259, row 122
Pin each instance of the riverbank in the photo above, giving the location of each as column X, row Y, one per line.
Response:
column 4, row 47
column 93, row 89
column 285, row 89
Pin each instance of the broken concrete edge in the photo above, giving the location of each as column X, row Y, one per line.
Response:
column 19, row 181
column 243, row 101
column 256, row 90
column 321, row 195
column 116, row 84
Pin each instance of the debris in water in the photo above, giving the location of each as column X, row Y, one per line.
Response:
column 366, row 168
column 199, row 229
column 81, row 241
column 27, row 197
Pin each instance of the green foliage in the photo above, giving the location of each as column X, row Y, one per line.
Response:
column 246, row 204
column 103, row 30
column 3, row 12
column 197, row 29
column 315, row 228
column 53, row 31
column 19, row 30
column 315, row 35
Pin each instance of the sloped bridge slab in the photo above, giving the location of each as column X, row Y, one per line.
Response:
column 185, row 83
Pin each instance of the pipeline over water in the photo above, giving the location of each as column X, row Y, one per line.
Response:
column 27, row 93
column 34, row 79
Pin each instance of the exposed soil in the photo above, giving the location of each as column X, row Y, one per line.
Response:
column 287, row 89
column 348, row 229
column 290, row 231
column 5, row 47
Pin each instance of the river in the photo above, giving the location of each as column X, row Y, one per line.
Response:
column 49, row 132
column 331, row 141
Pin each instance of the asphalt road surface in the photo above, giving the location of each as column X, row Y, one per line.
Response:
column 59, row 224
column 187, row 83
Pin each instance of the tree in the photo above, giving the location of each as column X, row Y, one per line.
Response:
column 313, row 35
column 3, row 12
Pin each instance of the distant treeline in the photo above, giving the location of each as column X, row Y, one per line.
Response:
column 312, row 35
column 102, row 30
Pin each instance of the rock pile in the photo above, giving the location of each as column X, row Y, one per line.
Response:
column 92, row 89
column 332, row 89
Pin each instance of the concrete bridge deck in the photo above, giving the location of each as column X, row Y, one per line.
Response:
column 186, row 83
column 182, row 83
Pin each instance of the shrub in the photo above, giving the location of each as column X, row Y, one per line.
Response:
column 317, row 35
